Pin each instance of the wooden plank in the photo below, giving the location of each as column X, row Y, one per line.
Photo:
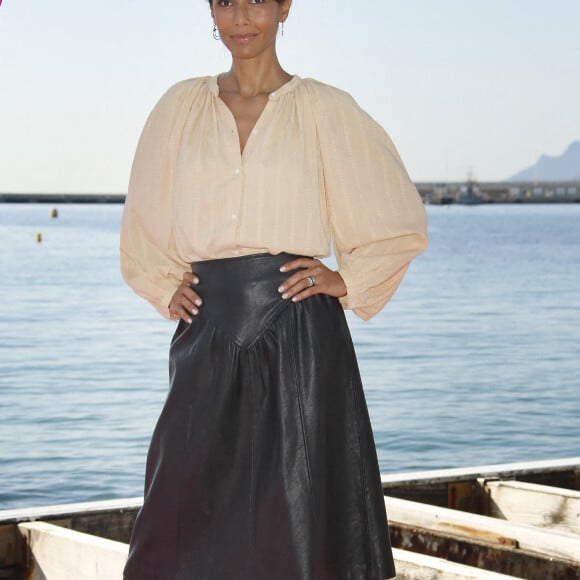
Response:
column 10, row 547
column 450, row 487
column 492, row 557
column 553, row 544
column 68, row 509
column 55, row 552
column 536, row 505
column 112, row 519
column 412, row 566
column 503, row 470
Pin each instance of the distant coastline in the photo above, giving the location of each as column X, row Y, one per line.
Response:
column 62, row 198
column 473, row 192
column 437, row 193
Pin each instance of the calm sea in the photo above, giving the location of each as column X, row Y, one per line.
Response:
column 475, row 361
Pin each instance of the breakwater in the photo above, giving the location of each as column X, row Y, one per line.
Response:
column 476, row 192
column 437, row 193
column 62, row 198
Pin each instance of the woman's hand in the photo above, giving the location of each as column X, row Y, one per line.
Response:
column 185, row 301
column 316, row 278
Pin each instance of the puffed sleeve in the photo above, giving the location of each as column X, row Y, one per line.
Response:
column 150, row 263
column 377, row 218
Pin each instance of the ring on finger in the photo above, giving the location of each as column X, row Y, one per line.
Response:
column 311, row 281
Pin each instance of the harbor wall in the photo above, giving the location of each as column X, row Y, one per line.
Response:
column 472, row 192
column 469, row 192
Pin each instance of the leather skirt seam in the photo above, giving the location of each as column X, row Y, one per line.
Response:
column 208, row 322
column 251, row 506
column 268, row 322
column 361, row 466
column 302, row 421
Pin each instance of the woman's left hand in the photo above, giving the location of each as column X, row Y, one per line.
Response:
column 315, row 278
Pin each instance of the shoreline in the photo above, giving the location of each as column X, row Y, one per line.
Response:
column 461, row 193
column 62, row 198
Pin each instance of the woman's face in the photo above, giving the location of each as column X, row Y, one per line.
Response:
column 249, row 27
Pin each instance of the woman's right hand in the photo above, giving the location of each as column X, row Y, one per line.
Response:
column 185, row 301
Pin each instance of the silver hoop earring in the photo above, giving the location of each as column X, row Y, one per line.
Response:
column 215, row 33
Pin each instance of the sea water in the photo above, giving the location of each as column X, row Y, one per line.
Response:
column 476, row 360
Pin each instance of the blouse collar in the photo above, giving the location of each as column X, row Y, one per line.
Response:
column 285, row 88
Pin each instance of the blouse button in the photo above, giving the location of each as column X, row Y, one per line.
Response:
column 237, row 171
column 234, row 216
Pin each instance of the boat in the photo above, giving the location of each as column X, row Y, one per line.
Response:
column 517, row 520
column 469, row 194
column 521, row 520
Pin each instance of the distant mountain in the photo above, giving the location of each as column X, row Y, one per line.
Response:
column 566, row 167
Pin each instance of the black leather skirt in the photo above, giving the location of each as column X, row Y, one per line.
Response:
column 262, row 465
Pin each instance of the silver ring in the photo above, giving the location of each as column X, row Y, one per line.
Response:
column 311, row 280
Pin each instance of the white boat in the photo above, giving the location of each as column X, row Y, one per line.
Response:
column 503, row 521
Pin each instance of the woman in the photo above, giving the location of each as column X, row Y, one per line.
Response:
column 262, row 465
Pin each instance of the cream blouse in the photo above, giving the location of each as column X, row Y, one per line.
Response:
column 315, row 168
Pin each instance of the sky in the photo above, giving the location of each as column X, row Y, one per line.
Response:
column 480, row 86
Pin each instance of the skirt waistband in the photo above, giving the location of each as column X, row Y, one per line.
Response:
column 240, row 295
column 247, row 267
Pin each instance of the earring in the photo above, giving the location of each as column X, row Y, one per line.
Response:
column 282, row 28
column 215, row 33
